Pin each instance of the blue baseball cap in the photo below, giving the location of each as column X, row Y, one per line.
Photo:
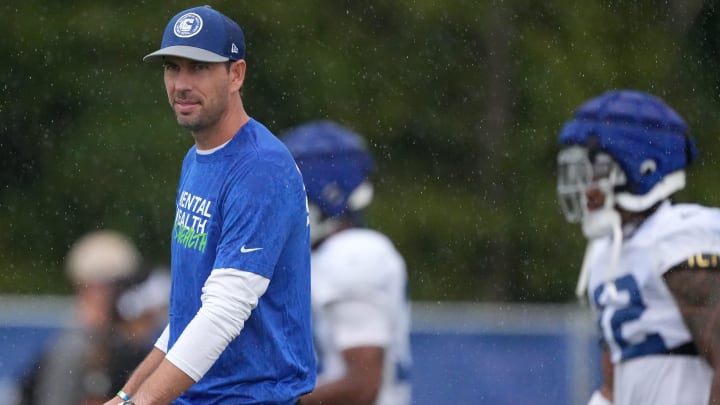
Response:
column 203, row 34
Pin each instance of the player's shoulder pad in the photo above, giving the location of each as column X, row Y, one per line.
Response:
column 359, row 257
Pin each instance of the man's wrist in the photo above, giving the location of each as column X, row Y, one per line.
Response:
column 125, row 397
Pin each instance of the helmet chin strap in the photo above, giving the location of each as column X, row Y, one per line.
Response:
column 596, row 225
column 614, row 258
column 582, row 282
column 602, row 222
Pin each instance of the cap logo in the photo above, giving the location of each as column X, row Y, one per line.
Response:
column 234, row 48
column 188, row 25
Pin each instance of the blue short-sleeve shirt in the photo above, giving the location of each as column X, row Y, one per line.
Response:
column 244, row 207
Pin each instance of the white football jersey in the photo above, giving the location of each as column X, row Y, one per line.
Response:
column 359, row 298
column 637, row 314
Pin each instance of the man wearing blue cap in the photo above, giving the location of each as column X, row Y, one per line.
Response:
column 239, row 326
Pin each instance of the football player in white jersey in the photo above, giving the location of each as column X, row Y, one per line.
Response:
column 651, row 270
column 359, row 297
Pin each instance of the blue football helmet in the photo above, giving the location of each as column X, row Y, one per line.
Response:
column 336, row 166
column 645, row 137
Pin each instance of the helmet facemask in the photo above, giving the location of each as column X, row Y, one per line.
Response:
column 586, row 190
column 322, row 225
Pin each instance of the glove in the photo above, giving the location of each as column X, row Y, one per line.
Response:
column 598, row 399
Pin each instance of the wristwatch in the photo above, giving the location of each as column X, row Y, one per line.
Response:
column 128, row 402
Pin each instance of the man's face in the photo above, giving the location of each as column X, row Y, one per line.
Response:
column 601, row 183
column 95, row 304
column 198, row 92
column 586, row 185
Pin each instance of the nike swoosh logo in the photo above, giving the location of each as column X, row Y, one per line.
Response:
column 243, row 249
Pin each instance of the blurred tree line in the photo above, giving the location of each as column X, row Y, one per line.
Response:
column 461, row 101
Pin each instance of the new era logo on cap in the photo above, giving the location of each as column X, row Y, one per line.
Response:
column 201, row 34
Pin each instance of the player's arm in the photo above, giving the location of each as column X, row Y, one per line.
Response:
column 361, row 329
column 163, row 385
column 360, row 384
column 695, row 285
column 167, row 382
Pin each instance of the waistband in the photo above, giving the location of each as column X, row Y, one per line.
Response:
column 688, row 349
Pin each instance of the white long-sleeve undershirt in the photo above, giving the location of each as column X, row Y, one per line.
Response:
column 228, row 297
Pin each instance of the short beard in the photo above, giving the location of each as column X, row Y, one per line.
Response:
column 194, row 125
column 201, row 122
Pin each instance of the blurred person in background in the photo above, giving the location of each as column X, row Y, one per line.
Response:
column 141, row 313
column 652, row 266
column 110, row 320
column 361, row 313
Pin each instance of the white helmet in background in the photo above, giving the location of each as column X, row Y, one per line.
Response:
column 102, row 256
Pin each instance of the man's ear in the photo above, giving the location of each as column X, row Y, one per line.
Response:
column 237, row 71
